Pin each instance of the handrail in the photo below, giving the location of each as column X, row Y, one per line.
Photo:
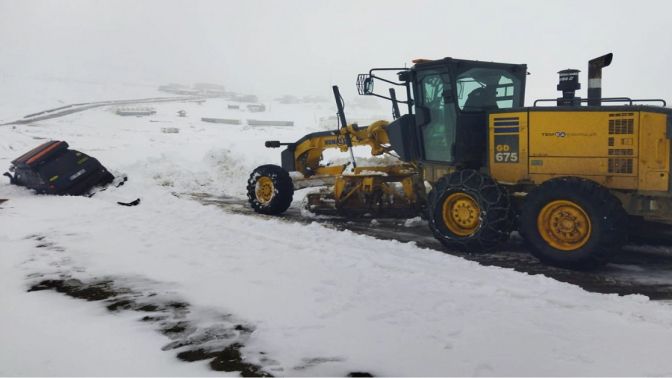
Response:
column 608, row 99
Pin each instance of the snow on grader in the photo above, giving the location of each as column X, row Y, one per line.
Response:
column 573, row 176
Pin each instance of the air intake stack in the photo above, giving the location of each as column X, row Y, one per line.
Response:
column 595, row 78
column 569, row 84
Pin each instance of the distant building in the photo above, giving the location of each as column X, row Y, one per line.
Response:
column 288, row 99
column 209, row 89
column 256, row 108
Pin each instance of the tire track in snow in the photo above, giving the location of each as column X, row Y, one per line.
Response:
column 639, row 269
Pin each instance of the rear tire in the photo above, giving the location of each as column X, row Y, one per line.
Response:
column 468, row 211
column 573, row 223
column 270, row 189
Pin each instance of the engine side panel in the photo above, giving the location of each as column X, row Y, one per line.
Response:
column 598, row 145
column 620, row 149
column 654, row 147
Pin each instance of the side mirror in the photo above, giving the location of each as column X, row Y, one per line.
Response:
column 364, row 84
column 368, row 85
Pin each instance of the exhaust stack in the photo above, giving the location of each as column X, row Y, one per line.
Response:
column 595, row 78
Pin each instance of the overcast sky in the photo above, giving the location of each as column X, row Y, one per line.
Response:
column 303, row 47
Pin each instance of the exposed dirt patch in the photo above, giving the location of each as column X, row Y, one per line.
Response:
column 120, row 305
column 95, row 291
column 152, row 318
column 230, row 359
column 221, row 341
column 195, row 355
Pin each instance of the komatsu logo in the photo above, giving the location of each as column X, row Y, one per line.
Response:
column 562, row 134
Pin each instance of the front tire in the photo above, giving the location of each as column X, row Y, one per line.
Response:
column 469, row 211
column 573, row 223
column 270, row 190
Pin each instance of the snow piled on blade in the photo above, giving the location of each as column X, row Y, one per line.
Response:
column 316, row 301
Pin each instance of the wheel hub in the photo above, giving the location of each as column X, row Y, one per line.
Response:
column 265, row 189
column 564, row 225
column 461, row 214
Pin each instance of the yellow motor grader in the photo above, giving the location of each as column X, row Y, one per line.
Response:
column 570, row 176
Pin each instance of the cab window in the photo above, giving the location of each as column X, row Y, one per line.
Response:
column 484, row 89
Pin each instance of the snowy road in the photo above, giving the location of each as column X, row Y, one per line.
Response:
column 644, row 269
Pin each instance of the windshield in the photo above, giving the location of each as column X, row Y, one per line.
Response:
column 483, row 89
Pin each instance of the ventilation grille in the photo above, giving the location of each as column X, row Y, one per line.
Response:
column 621, row 152
column 619, row 165
column 621, row 126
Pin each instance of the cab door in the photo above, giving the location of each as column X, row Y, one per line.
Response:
column 437, row 118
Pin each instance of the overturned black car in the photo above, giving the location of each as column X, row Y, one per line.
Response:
column 52, row 168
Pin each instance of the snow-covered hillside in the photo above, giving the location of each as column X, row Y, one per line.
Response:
column 298, row 300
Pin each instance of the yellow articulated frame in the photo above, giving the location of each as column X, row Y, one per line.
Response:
column 309, row 153
column 346, row 185
column 333, row 170
column 391, row 187
column 432, row 172
column 381, row 188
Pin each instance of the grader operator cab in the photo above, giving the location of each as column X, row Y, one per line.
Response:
column 569, row 177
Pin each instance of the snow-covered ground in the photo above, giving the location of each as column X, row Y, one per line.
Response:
column 319, row 301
